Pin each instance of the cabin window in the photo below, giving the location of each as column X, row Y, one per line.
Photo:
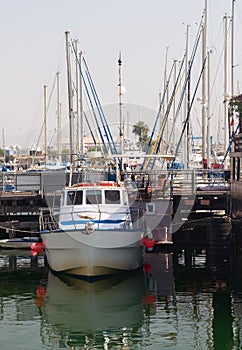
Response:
column 93, row 197
column 74, row 197
column 150, row 208
column 112, row 197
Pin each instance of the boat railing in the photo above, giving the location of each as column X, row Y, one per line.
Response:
column 47, row 221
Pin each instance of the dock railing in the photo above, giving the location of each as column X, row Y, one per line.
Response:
column 168, row 181
column 171, row 182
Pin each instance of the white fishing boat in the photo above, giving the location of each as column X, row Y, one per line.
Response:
column 92, row 234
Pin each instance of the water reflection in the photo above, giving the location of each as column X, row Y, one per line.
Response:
column 185, row 299
column 105, row 312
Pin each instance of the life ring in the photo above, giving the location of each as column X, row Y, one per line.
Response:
column 108, row 183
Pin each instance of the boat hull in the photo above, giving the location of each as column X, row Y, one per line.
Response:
column 102, row 252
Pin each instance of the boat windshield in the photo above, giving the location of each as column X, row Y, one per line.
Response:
column 74, row 197
column 112, row 197
column 93, row 197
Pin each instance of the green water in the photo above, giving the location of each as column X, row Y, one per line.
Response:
column 181, row 300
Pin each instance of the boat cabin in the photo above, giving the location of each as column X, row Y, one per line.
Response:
column 94, row 195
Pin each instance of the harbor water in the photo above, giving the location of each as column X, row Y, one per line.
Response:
column 181, row 299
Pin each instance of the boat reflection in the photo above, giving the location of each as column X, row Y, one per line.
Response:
column 79, row 312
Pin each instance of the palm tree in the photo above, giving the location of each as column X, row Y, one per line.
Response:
column 235, row 109
column 141, row 130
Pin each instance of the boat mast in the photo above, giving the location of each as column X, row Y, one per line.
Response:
column 45, row 123
column 225, row 83
column 208, row 113
column 4, row 146
column 58, row 117
column 174, row 110
column 81, row 107
column 186, row 105
column 167, row 97
column 70, row 98
column 77, row 101
column 232, row 64
column 121, row 122
column 204, row 49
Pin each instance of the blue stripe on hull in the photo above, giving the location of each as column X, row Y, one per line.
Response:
column 82, row 222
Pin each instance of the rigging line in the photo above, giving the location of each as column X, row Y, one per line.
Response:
column 88, row 123
column 51, row 139
column 37, row 144
column 38, row 140
column 175, row 117
column 48, row 104
column 89, row 127
column 230, row 143
column 184, row 89
column 156, row 145
column 102, row 116
column 188, row 73
column 186, row 80
column 51, row 93
column 188, row 112
column 90, row 100
column 147, row 160
column 103, row 125
column 159, row 110
column 216, row 73
column 169, row 107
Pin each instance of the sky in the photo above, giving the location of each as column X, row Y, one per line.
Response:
column 147, row 33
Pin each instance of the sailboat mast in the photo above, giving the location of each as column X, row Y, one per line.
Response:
column 70, row 98
column 204, row 52
column 81, row 107
column 208, row 113
column 121, row 124
column 225, row 83
column 186, row 148
column 77, row 102
column 45, row 123
column 58, row 117
column 232, row 62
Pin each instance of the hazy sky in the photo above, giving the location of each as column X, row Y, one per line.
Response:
column 33, row 50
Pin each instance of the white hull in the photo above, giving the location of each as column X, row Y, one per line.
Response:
column 102, row 252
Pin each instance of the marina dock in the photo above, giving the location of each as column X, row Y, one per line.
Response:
column 190, row 197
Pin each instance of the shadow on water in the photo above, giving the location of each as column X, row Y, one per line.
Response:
column 187, row 298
